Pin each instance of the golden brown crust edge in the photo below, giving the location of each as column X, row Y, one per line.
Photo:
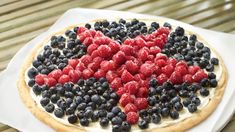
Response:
column 199, row 116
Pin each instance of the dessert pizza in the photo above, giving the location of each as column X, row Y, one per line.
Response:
column 122, row 75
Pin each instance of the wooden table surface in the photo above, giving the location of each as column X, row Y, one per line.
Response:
column 22, row 20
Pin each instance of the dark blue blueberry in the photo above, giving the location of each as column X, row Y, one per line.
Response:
column 31, row 82
column 179, row 31
column 214, row 61
column 166, row 24
column 72, row 119
column 126, row 127
column 156, row 118
column 95, row 116
column 211, row 75
column 70, row 111
column 110, row 115
column 44, row 101
column 80, row 114
column 174, row 114
column 116, row 128
column 32, row 72
column 196, row 101
column 78, row 99
column 122, row 115
column 54, row 98
column 87, row 98
column 62, row 104
column 37, row 90
column 81, row 106
column 96, row 99
column 143, row 124
column 186, row 102
column 213, row 83
column 165, row 112
column 116, row 110
column 84, row 122
column 153, row 82
column 204, row 92
column 59, row 112
column 102, row 113
column 104, row 122
column 49, row 108
column 178, row 106
column 192, row 108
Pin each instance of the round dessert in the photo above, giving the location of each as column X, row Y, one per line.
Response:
column 125, row 75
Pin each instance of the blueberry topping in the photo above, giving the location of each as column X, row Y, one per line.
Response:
column 116, row 128
column 156, row 118
column 174, row 114
column 143, row 124
column 104, row 122
column 72, row 119
column 32, row 72
column 192, row 108
column 59, row 112
column 49, row 108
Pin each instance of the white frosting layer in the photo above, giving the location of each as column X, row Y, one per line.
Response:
column 94, row 126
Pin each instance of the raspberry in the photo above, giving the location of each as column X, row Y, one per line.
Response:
column 86, row 59
column 127, row 49
column 142, row 92
column 193, row 69
column 129, row 41
column 163, row 30
column 161, row 79
column 159, row 42
column 73, row 62
column 100, row 73
column 87, row 73
column 132, row 67
column 143, row 83
column 98, row 34
column 161, row 56
column 104, row 51
column 92, row 32
column 141, row 103
column 126, row 76
column 115, row 46
column 49, row 81
column 116, row 84
column 120, row 70
column 81, row 30
column 176, row 78
column 138, row 77
column 188, row 78
column 87, row 41
column 200, row 74
column 97, row 60
column 107, row 65
column 130, row 58
column 154, row 50
column 132, row 117
column 160, row 62
column 172, row 61
column 151, row 44
column 132, row 87
column 110, row 75
column 67, row 69
column 63, row 79
column 121, row 91
column 91, row 48
column 182, row 63
column 151, row 58
column 140, row 42
column 157, row 70
column 126, row 99
column 39, row 79
column 84, row 35
column 119, row 58
column 93, row 66
column 80, row 67
column 130, row 108
column 55, row 74
column 168, row 69
column 146, row 69
column 181, row 69
column 74, row 75
column 143, row 54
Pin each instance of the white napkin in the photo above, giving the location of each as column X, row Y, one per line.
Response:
column 14, row 113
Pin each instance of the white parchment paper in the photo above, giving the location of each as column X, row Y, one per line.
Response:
column 14, row 113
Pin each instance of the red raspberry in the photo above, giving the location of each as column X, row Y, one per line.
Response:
column 63, row 79
column 104, row 51
column 121, row 91
column 141, row 103
column 107, row 65
column 132, row 117
column 115, row 46
column 87, row 73
column 193, row 69
column 110, row 75
column 127, row 49
column 39, row 79
column 94, row 54
column 161, row 56
column 140, row 42
column 181, row 69
column 126, row 99
column 56, row 74
column 132, row 87
column 188, row 78
column 200, row 74
column 172, row 61
column 67, row 69
column 151, row 58
column 130, row 108
column 138, row 77
column 84, row 35
column 86, row 59
column 157, row 70
column 143, row 54
column 163, row 30
column 98, row 34
column 132, row 66
column 80, row 67
column 161, row 79
column 176, row 78
column 92, row 32
column 143, row 83
column 49, row 81
column 126, row 76
column 121, row 69
column 155, row 50
column 74, row 75
column 91, row 48
column 168, row 69
column 119, row 58
column 93, row 66
column 159, row 42
column 146, row 69
column 81, row 30
column 142, row 92
column 100, row 73
column 73, row 62
column 160, row 62
column 87, row 41
column 129, row 41
column 183, row 63
column 130, row 58
column 116, row 84
column 150, row 44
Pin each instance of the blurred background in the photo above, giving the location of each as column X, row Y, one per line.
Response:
column 22, row 20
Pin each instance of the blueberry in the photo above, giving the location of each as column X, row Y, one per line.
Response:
column 175, row 99
column 32, row 72
column 186, row 102
column 214, row 61
column 211, row 75
column 179, row 31
column 36, row 89
column 104, row 122
column 95, row 116
column 210, row 68
column 49, row 108
column 152, row 91
column 116, row 128
column 143, row 124
column 165, row 112
column 80, row 114
column 72, row 119
column 59, row 112
column 78, row 99
column 87, row 25
column 126, row 127
column 174, row 114
column 102, row 113
column 44, row 101
column 84, row 122
column 152, row 100
column 70, row 111
column 68, row 94
column 122, row 115
column 105, row 85
column 213, row 83
column 204, row 92
column 166, row 24
column 204, row 82
column 54, row 98
column 155, row 25
column 156, row 118
column 116, row 110
column 193, row 37
column 62, row 104
column 88, row 113
column 143, row 113
column 192, row 108
column 114, row 96
column 87, row 98
column 31, row 82
column 153, row 82
column 178, row 106
column 196, row 101
column 110, row 115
